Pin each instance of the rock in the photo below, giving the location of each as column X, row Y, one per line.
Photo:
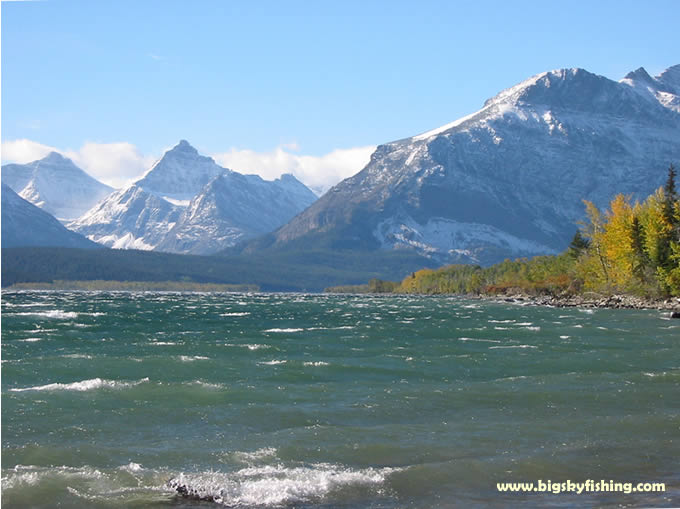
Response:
column 675, row 314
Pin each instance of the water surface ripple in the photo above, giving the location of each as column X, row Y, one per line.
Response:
column 320, row 401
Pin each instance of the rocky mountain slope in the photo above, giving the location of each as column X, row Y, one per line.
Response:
column 56, row 185
column 507, row 180
column 235, row 207
column 24, row 224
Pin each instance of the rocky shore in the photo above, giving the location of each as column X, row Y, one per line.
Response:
column 593, row 301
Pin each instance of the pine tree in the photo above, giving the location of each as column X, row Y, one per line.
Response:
column 579, row 244
column 670, row 198
column 669, row 188
column 640, row 258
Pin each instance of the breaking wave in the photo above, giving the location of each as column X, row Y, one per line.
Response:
column 276, row 485
column 84, row 385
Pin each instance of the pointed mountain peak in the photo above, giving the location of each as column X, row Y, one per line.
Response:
column 55, row 157
column 185, row 147
column 671, row 77
column 288, row 177
column 639, row 74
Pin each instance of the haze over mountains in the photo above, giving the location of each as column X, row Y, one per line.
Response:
column 505, row 181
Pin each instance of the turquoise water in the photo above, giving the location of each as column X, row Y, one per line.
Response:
column 320, row 401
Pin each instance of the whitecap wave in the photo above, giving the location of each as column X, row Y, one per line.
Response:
column 273, row 362
column 207, row 385
column 276, row 485
column 480, row 340
column 56, row 314
column 315, row 363
column 284, row 330
column 242, row 313
column 84, row 385
column 254, row 457
column 191, row 358
column 513, row 346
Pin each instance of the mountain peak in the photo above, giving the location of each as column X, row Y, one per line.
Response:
column 671, row 77
column 185, row 147
column 55, row 157
column 639, row 74
column 181, row 173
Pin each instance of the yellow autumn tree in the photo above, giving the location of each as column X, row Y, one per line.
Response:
column 617, row 242
column 593, row 266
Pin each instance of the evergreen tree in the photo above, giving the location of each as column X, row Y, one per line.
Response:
column 579, row 244
column 669, row 188
column 640, row 258
column 671, row 197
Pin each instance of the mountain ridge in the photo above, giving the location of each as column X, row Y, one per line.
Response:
column 179, row 206
column 507, row 180
column 26, row 225
column 56, row 185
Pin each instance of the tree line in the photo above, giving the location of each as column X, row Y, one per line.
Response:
column 631, row 248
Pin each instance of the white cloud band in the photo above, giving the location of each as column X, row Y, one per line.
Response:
column 118, row 164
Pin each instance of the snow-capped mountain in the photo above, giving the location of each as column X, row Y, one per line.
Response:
column 180, row 174
column 509, row 179
column 56, row 185
column 234, row 207
column 24, row 224
column 130, row 218
column 187, row 203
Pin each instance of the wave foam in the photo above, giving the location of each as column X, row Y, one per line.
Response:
column 84, row 385
column 480, row 340
column 57, row 314
column 513, row 346
column 191, row 358
column 275, row 485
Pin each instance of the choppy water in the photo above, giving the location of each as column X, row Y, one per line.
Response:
column 318, row 401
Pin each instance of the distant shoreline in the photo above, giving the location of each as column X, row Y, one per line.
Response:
column 149, row 286
column 589, row 301
column 594, row 301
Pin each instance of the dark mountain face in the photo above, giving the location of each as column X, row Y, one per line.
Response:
column 24, row 224
column 508, row 180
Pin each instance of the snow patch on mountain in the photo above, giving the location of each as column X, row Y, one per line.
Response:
column 443, row 239
column 130, row 218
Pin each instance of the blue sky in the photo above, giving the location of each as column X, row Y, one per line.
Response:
column 287, row 80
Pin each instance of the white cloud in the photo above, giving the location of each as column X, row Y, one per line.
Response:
column 118, row 164
column 115, row 164
column 24, row 151
column 317, row 172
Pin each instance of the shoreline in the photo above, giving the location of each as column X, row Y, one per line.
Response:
column 596, row 301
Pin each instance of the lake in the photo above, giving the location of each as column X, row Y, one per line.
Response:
column 320, row 401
